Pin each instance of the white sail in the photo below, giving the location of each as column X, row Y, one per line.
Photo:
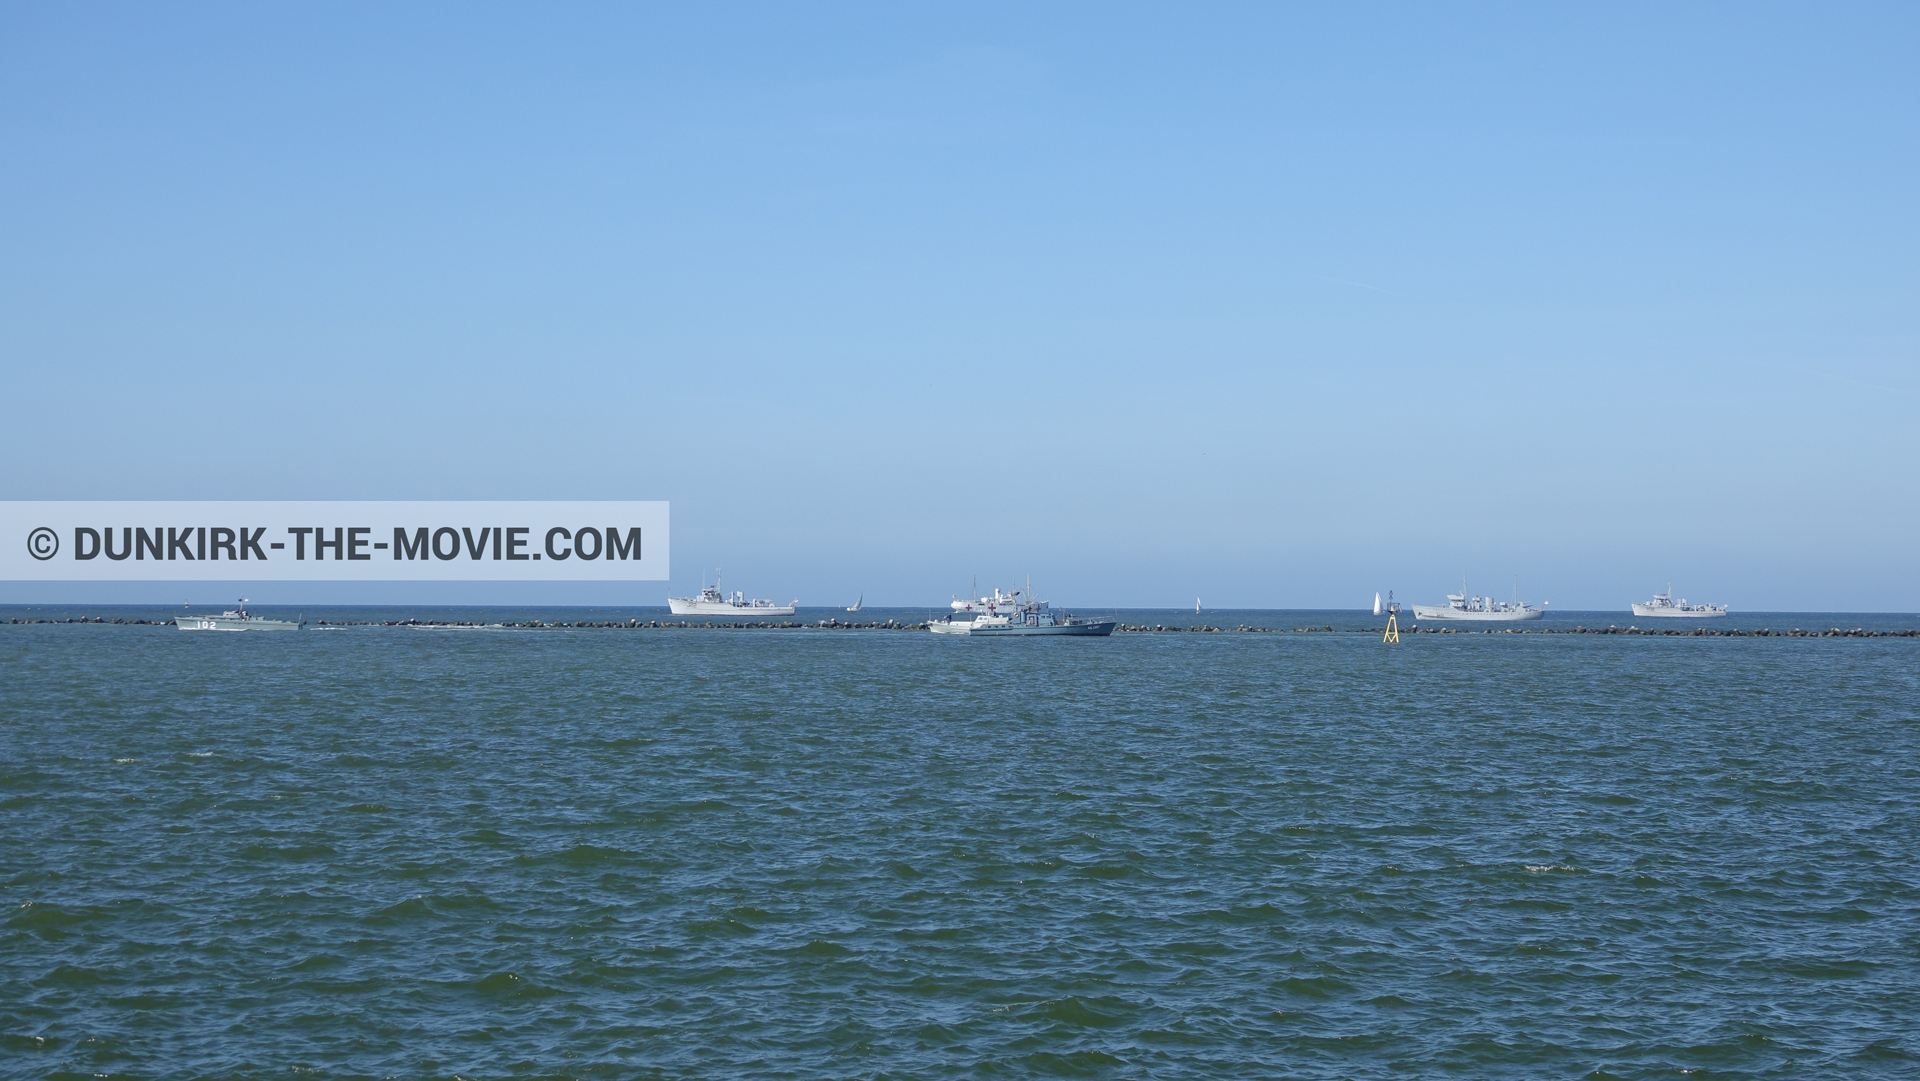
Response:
column 1376, row 603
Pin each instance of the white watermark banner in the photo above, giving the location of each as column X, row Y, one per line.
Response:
column 333, row 541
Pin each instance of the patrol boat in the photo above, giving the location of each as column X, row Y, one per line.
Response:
column 712, row 602
column 234, row 619
column 1485, row 609
column 1013, row 615
column 1663, row 604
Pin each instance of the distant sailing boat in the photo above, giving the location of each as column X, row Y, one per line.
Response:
column 856, row 603
column 1196, row 606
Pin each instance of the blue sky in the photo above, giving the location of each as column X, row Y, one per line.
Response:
column 1272, row 305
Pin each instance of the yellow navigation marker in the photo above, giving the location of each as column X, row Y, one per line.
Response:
column 1393, row 619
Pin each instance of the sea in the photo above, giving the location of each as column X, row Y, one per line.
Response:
column 374, row 851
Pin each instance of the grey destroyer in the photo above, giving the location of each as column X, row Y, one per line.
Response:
column 712, row 602
column 1014, row 615
column 1481, row 609
column 1663, row 605
column 233, row 619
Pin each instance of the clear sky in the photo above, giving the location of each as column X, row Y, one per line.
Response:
column 1272, row 305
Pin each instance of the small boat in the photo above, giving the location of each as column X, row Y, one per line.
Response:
column 234, row 619
column 1011, row 615
column 855, row 607
column 1196, row 606
column 712, row 602
column 1663, row 604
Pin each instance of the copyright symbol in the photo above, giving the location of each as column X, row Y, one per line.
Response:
column 43, row 543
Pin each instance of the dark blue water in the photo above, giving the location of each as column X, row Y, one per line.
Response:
column 380, row 852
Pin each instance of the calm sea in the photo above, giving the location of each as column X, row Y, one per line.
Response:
column 398, row 852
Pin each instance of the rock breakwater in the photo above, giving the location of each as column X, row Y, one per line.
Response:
column 1133, row 628
column 101, row 620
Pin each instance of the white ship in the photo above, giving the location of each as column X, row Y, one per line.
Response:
column 712, row 602
column 1663, row 604
column 1011, row 615
column 996, row 599
column 1484, row 609
column 234, row 619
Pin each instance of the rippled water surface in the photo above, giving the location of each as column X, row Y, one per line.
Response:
column 676, row 853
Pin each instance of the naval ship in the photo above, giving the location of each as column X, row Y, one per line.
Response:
column 234, row 619
column 712, row 602
column 996, row 599
column 1012, row 615
column 1663, row 604
column 1485, row 609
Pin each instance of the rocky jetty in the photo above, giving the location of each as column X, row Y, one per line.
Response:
column 101, row 620
column 1142, row 628
column 895, row 625
column 1675, row 632
column 638, row 624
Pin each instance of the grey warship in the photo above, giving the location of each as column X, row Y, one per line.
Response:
column 234, row 619
column 1014, row 615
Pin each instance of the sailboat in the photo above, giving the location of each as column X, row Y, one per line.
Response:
column 1196, row 606
column 856, row 603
